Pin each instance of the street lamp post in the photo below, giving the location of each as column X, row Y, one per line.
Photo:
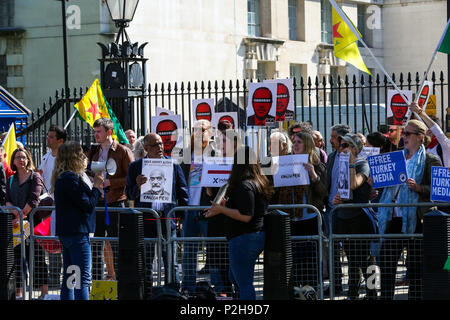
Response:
column 122, row 66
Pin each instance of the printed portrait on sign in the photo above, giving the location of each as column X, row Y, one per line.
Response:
column 158, row 187
column 203, row 109
column 398, row 111
column 261, row 108
column 170, row 130
column 285, row 99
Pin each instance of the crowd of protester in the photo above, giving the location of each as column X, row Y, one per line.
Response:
column 239, row 216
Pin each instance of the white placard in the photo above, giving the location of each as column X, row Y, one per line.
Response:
column 290, row 170
column 216, row 171
column 398, row 111
column 343, row 187
column 159, row 173
column 368, row 151
column 285, row 99
column 163, row 112
column 170, row 130
column 232, row 117
column 202, row 109
column 262, row 103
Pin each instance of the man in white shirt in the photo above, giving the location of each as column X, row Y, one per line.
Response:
column 55, row 138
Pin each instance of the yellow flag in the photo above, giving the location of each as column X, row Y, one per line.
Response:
column 93, row 106
column 346, row 42
column 10, row 143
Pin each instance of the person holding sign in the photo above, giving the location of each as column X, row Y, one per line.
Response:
column 437, row 132
column 248, row 196
column 406, row 219
column 154, row 147
column 304, row 222
column 355, row 221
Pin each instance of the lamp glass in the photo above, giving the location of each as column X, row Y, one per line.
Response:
column 122, row 10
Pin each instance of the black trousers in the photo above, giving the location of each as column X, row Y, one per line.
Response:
column 356, row 250
column 103, row 230
column 391, row 250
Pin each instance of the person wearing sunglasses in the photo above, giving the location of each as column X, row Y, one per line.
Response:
column 355, row 220
column 407, row 220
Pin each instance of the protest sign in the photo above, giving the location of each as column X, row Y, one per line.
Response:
column 344, row 176
column 440, row 184
column 163, row 112
column 291, row 171
column 388, row 169
column 170, row 130
column 285, row 99
column 202, row 109
column 216, row 171
column 232, row 117
column 158, row 187
column 261, row 107
column 368, row 151
column 398, row 111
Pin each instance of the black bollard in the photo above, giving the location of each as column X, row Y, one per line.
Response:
column 7, row 274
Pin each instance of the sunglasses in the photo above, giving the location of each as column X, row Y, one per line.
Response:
column 407, row 134
column 392, row 130
column 344, row 145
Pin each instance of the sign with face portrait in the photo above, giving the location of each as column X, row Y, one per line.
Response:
column 285, row 99
column 159, row 174
column 343, row 187
column 163, row 112
column 170, row 130
column 203, row 109
column 424, row 93
column 398, row 111
column 262, row 102
column 228, row 116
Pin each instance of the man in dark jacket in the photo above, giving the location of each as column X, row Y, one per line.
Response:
column 154, row 147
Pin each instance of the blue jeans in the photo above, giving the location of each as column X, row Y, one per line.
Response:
column 244, row 250
column 192, row 227
column 76, row 252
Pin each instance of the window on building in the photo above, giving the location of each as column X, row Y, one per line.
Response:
column 261, row 72
column 253, row 16
column 3, row 71
column 293, row 19
column 362, row 22
column 326, row 21
column 296, row 71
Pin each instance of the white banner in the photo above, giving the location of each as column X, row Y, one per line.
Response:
column 290, row 170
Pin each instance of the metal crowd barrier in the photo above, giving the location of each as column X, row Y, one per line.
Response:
column 9, row 209
column 334, row 238
column 319, row 237
column 112, row 210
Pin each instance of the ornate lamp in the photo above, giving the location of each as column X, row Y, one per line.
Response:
column 122, row 13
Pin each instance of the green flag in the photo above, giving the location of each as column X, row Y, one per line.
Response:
column 447, row 264
column 444, row 42
column 117, row 126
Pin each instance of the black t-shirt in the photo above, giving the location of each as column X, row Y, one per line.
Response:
column 250, row 202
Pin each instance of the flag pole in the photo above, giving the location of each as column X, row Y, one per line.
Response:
column 70, row 119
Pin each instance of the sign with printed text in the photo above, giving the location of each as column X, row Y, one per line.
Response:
column 343, row 187
column 290, row 170
column 216, row 171
column 262, row 103
column 368, row 151
column 398, row 111
column 388, row 169
column 170, row 130
column 164, row 112
column 285, row 99
column 440, row 184
column 231, row 117
column 159, row 174
column 430, row 109
column 203, row 109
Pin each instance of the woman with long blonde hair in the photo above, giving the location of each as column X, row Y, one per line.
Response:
column 75, row 201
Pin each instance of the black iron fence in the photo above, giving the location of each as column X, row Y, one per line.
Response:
column 357, row 101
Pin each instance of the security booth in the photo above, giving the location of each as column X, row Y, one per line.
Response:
column 12, row 110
